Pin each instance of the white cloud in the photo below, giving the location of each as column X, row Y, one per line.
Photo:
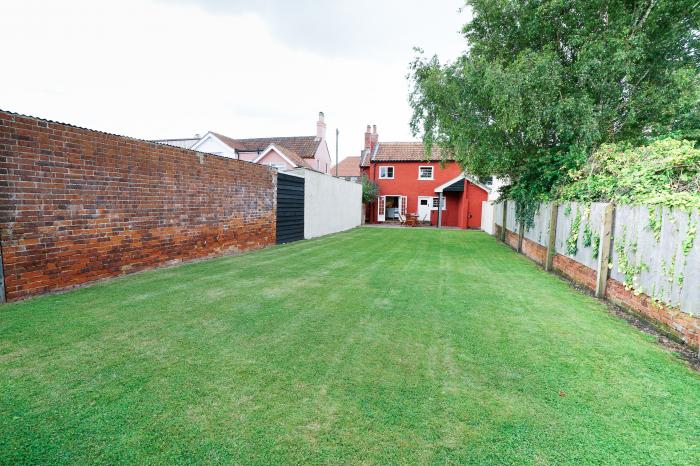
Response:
column 172, row 68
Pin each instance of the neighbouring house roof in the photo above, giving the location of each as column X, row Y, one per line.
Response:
column 301, row 146
column 349, row 166
column 285, row 152
column 402, row 152
column 184, row 143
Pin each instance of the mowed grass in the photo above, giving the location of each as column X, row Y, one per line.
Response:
column 371, row 346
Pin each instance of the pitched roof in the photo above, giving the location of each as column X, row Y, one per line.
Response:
column 291, row 155
column 349, row 166
column 403, row 152
column 302, row 146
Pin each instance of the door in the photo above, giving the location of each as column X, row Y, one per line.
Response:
column 425, row 205
column 290, row 208
column 403, row 202
column 381, row 209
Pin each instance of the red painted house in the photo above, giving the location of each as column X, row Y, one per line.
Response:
column 412, row 182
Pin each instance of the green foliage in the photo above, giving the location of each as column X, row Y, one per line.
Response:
column 587, row 236
column 587, row 232
column 370, row 190
column 665, row 172
column 596, row 245
column 572, row 240
column 544, row 83
column 656, row 223
column 626, row 266
column 689, row 240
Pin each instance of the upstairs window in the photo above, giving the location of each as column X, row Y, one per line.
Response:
column 425, row 173
column 386, row 173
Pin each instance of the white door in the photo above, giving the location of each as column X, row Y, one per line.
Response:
column 425, row 204
column 403, row 202
column 381, row 209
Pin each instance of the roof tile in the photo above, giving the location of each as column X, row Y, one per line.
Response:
column 349, row 166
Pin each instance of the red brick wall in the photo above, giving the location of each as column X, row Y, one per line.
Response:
column 575, row 271
column 531, row 249
column 683, row 325
column 78, row 205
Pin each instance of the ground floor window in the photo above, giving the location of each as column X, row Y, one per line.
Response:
column 436, row 202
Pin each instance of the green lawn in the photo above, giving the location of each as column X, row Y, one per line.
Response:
column 371, row 346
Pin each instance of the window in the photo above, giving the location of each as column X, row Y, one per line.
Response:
column 425, row 173
column 386, row 173
column 423, row 201
column 278, row 166
column 436, row 201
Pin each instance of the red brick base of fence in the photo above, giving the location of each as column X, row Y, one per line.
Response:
column 684, row 326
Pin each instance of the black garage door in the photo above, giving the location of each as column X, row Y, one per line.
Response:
column 290, row 208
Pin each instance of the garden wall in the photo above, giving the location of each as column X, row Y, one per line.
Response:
column 78, row 205
column 331, row 204
column 653, row 264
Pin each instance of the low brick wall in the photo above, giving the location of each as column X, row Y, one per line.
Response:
column 531, row 249
column 78, row 205
column 685, row 326
column 575, row 271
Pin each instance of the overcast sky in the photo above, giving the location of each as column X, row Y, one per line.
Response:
column 172, row 68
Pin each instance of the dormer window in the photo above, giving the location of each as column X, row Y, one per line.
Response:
column 386, row 173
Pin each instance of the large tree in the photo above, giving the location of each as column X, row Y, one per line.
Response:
column 545, row 82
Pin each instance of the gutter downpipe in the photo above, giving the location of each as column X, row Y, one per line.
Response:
column 439, row 224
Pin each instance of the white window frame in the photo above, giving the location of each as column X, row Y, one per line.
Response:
column 432, row 172
column 277, row 165
column 433, row 206
column 387, row 167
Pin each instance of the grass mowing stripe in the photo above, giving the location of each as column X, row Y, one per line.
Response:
column 374, row 346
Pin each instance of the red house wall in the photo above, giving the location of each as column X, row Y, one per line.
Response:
column 406, row 183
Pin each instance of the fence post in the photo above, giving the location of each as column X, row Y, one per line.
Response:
column 551, row 241
column 521, row 235
column 604, row 251
column 503, row 222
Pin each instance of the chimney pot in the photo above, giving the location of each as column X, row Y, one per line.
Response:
column 374, row 129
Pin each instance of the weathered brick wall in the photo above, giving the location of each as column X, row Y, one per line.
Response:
column 683, row 325
column 575, row 271
column 78, row 205
column 531, row 249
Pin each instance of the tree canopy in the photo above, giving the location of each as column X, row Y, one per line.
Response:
column 545, row 82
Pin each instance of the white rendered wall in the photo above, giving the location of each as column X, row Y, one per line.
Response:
column 330, row 204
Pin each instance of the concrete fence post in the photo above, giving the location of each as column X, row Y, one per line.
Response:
column 503, row 222
column 551, row 241
column 604, row 250
column 521, row 235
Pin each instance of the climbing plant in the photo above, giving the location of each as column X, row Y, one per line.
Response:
column 596, row 245
column 656, row 223
column 689, row 240
column 572, row 240
column 626, row 267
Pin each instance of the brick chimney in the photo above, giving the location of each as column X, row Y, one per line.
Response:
column 321, row 126
column 371, row 138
